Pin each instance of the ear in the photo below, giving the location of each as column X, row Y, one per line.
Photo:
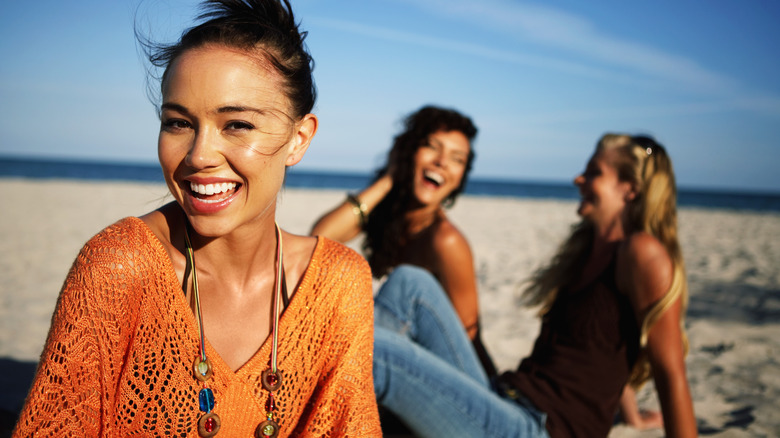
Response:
column 629, row 193
column 301, row 139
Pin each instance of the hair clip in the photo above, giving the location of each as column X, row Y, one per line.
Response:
column 649, row 150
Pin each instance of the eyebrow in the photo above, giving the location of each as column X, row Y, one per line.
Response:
column 174, row 107
column 239, row 109
column 434, row 142
column 439, row 143
column 221, row 110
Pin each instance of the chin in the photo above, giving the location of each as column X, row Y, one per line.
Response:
column 583, row 211
column 430, row 202
column 422, row 198
column 209, row 226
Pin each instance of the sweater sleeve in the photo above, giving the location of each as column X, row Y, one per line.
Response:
column 347, row 402
column 81, row 360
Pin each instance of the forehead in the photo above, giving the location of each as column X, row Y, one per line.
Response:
column 606, row 156
column 453, row 140
column 219, row 74
column 603, row 160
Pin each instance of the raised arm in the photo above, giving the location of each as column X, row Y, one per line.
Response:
column 343, row 223
column 649, row 276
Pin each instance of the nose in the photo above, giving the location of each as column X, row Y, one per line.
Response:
column 439, row 160
column 579, row 180
column 204, row 151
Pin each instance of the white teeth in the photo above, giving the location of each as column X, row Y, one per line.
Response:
column 212, row 189
column 434, row 176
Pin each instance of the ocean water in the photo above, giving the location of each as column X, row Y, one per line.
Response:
column 22, row 167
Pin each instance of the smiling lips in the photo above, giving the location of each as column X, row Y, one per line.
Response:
column 201, row 191
column 433, row 177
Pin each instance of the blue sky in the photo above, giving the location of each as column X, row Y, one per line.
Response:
column 542, row 80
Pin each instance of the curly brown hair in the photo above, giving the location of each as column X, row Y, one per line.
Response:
column 386, row 225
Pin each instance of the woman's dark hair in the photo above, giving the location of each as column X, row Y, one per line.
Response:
column 386, row 226
column 266, row 26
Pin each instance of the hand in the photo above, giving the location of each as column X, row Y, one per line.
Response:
column 649, row 420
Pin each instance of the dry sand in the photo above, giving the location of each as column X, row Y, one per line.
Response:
column 733, row 262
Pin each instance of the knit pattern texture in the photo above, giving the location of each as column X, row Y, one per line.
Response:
column 118, row 361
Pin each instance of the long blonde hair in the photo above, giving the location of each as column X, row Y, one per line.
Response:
column 644, row 163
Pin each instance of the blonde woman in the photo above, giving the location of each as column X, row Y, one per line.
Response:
column 612, row 303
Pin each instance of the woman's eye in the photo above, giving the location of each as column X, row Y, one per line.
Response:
column 238, row 125
column 175, row 124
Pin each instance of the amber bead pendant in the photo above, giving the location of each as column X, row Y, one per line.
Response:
column 210, row 423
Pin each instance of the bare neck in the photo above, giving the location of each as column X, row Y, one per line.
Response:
column 421, row 218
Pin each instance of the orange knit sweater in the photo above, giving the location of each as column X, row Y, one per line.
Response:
column 119, row 357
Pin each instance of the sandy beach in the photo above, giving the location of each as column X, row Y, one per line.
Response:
column 733, row 264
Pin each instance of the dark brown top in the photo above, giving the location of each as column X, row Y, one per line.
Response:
column 581, row 360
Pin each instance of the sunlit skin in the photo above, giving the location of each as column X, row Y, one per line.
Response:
column 603, row 194
column 644, row 273
column 433, row 241
column 223, row 124
column 439, row 167
column 219, row 124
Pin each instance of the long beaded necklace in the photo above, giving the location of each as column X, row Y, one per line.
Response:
column 209, row 422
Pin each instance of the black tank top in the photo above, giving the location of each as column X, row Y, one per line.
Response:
column 581, row 360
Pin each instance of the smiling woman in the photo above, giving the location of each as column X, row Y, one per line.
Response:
column 146, row 341
column 612, row 304
column 402, row 212
column 223, row 122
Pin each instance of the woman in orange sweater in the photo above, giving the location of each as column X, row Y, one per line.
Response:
column 203, row 317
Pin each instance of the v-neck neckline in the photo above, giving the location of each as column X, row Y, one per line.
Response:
column 181, row 304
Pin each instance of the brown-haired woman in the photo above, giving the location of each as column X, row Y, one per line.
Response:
column 403, row 210
column 204, row 317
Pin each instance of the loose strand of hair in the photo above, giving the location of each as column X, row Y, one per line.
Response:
column 546, row 282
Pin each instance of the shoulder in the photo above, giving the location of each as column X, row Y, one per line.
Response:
column 339, row 258
column 125, row 246
column 641, row 250
column 340, row 276
column 128, row 234
column 644, row 268
column 448, row 238
column 451, row 260
column 113, row 266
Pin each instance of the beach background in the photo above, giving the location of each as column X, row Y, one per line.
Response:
column 541, row 80
column 732, row 256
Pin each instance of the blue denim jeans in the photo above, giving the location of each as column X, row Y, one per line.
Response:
column 426, row 371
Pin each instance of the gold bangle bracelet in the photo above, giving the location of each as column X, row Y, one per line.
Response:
column 360, row 209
